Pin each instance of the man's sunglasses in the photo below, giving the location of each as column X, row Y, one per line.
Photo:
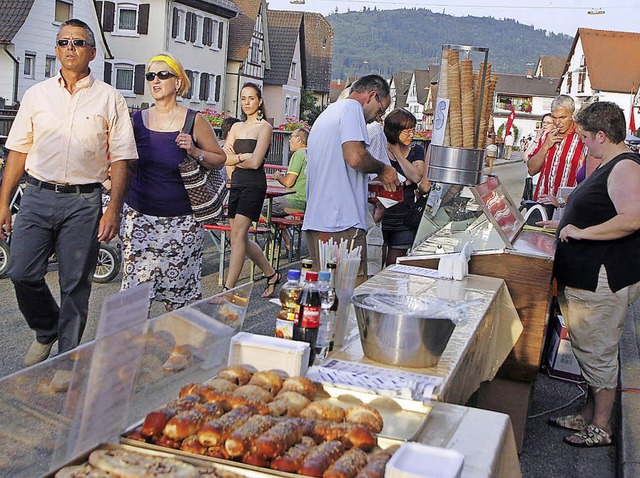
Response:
column 77, row 42
column 163, row 75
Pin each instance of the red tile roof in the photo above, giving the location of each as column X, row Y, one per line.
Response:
column 610, row 58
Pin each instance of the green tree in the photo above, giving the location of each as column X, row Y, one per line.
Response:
column 309, row 110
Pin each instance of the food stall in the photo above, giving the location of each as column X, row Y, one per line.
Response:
column 118, row 381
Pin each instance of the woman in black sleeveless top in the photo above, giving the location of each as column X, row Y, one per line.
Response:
column 597, row 265
column 246, row 147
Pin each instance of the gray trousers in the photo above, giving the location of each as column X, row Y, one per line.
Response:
column 66, row 223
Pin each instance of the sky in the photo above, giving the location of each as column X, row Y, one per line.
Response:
column 558, row 16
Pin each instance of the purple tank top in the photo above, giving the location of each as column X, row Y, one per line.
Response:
column 157, row 188
column 581, row 174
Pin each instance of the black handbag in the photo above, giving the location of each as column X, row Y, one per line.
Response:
column 206, row 188
column 415, row 211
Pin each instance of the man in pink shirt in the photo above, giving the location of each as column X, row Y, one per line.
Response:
column 68, row 132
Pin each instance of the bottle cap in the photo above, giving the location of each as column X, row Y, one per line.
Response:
column 293, row 275
column 324, row 275
column 312, row 276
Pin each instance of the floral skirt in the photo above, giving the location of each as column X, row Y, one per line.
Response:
column 166, row 251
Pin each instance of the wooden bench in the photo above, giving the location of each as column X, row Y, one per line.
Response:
column 218, row 233
column 293, row 222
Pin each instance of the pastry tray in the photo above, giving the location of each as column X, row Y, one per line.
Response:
column 404, row 420
column 204, row 463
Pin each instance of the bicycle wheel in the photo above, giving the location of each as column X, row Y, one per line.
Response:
column 108, row 264
column 4, row 258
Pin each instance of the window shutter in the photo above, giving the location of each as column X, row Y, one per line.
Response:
column 189, row 74
column 109, row 16
column 174, row 23
column 194, row 27
column 187, row 29
column 206, row 32
column 138, row 80
column 220, row 34
column 204, row 83
column 218, row 85
column 143, row 18
column 98, row 6
column 107, row 72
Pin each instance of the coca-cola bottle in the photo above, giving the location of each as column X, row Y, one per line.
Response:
column 307, row 319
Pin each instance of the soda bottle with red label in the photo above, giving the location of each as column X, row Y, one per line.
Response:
column 307, row 318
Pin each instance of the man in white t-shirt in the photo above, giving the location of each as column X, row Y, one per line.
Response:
column 337, row 167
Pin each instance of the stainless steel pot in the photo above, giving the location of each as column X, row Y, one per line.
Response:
column 455, row 165
column 401, row 338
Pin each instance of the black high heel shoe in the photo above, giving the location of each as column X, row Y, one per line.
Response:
column 272, row 285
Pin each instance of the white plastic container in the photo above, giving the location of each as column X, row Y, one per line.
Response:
column 269, row 353
column 413, row 460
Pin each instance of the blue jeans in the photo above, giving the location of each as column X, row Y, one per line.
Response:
column 66, row 223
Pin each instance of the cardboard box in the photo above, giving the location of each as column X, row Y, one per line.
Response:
column 561, row 362
column 507, row 396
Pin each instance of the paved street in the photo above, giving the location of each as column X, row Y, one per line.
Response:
column 544, row 454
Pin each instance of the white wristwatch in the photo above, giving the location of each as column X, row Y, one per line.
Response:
column 200, row 158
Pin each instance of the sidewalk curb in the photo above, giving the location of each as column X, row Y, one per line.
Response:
column 629, row 430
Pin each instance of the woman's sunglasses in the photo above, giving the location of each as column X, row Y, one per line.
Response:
column 163, row 75
column 77, row 42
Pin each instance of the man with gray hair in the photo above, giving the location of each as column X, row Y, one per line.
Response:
column 69, row 131
column 559, row 154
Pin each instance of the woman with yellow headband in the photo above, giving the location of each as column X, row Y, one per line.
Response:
column 162, row 240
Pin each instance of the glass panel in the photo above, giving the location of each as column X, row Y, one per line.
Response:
column 63, row 11
column 42, row 427
column 127, row 19
column 124, row 79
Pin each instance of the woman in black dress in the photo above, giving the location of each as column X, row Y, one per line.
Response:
column 408, row 160
column 246, row 148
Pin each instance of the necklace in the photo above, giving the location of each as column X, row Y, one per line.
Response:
column 156, row 124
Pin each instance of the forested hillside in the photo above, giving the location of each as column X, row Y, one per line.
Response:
column 387, row 41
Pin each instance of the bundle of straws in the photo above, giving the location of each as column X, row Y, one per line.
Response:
column 347, row 260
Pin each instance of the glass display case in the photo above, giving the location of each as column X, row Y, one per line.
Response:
column 115, row 381
column 484, row 214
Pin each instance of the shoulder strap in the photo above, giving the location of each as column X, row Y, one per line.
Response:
column 188, row 121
